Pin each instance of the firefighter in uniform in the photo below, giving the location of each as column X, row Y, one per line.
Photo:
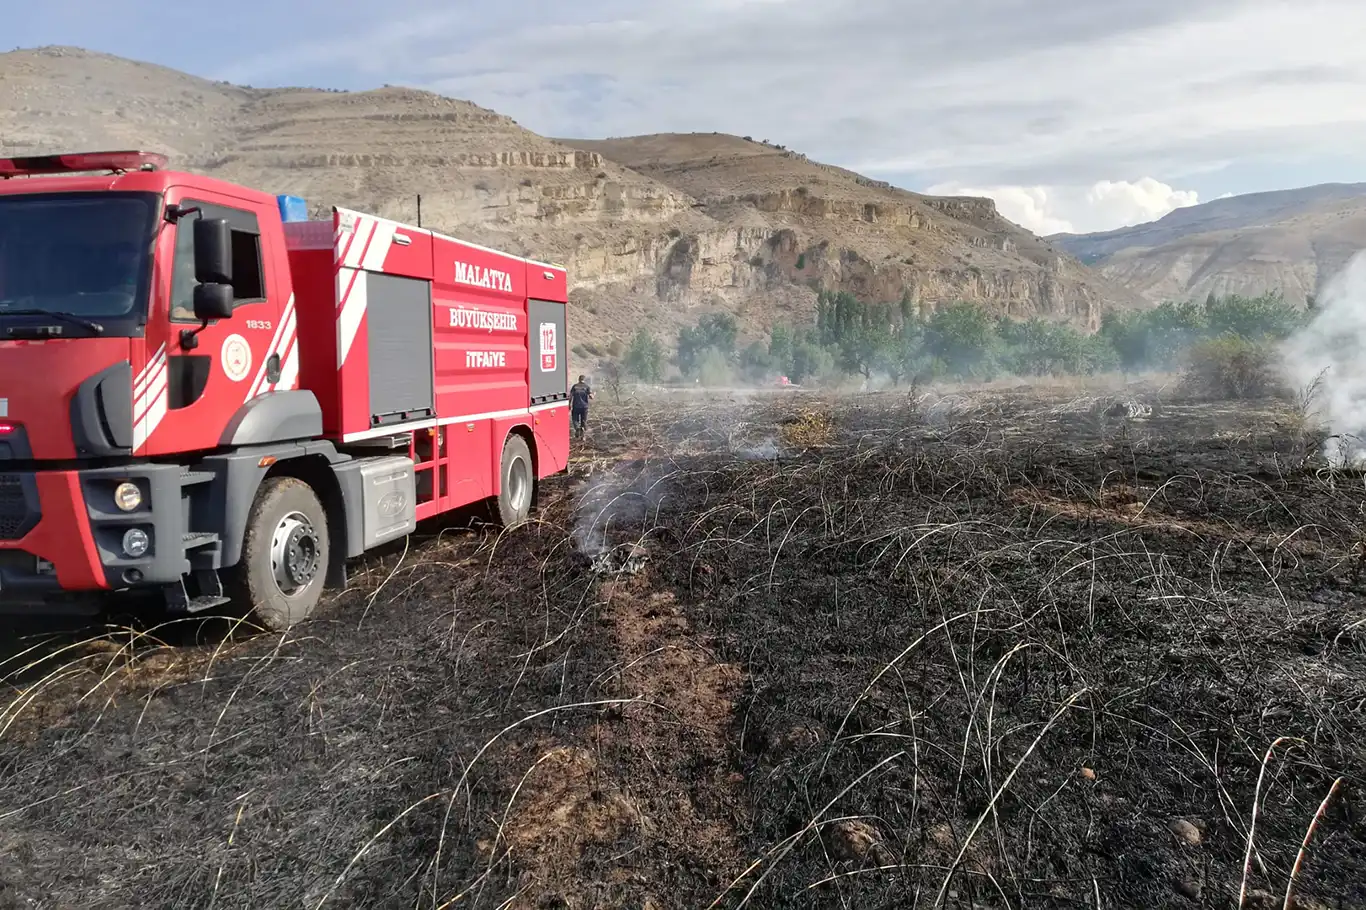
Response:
column 579, row 396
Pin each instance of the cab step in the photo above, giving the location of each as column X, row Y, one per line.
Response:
column 204, row 602
column 178, row 599
column 196, row 539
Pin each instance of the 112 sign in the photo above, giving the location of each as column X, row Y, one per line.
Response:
column 547, row 347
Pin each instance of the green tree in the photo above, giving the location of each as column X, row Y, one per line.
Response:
column 645, row 357
column 1267, row 317
column 1098, row 355
column 906, row 357
column 714, row 332
column 714, row 368
column 1038, row 347
column 756, row 361
column 1126, row 335
column 861, row 333
column 810, row 362
column 963, row 337
column 909, row 311
column 781, row 342
column 1171, row 328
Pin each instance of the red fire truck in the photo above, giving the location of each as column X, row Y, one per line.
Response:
column 204, row 393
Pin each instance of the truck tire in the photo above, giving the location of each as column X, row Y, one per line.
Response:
column 516, row 480
column 284, row 563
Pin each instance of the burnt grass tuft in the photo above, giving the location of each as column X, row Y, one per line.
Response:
column 994, row 650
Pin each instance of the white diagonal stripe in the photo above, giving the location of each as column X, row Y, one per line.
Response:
column 289, row 369
column 365, row 227
column 281, row 328
column 348, row 321
column 152, row 407
column 155, row 385
column 149, row 371
column 380, row 242
column 284, row 333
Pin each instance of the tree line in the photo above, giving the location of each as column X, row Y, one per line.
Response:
column 961, row 341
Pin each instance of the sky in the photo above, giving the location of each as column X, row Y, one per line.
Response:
column 1074, row 115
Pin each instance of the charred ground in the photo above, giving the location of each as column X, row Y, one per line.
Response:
column 994, row 649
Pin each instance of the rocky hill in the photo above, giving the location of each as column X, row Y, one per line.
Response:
column 799, row 222
column 654, row 229
column 1290, row 241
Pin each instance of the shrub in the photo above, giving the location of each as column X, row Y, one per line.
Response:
column 611, row 375
column 714, row 368
column 809, row 427
column 755, row 362
column 811, row 363
column 1231, row 368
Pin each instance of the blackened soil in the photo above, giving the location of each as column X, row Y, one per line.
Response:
column 987, row 650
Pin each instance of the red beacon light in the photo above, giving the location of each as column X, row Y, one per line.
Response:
column 6, row 427
column 81, row 162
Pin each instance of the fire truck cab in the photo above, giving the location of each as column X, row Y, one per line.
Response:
column 204, row 393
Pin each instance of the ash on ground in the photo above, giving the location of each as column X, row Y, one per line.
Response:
column 622, row 559
column 1129, row 409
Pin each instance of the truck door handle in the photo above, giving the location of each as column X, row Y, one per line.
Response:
column 402, row 239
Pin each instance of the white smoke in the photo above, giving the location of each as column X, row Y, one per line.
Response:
column 765, row 450
column 1328, row 356
column 620, row 501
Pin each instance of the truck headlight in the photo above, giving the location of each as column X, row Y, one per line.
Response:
column 135, row 542
column 127, row 496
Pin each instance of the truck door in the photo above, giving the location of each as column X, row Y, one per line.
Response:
column 195, row 381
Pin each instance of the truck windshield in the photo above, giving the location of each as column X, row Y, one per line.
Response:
column 81, row 254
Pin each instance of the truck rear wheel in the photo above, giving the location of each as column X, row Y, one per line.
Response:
column 284, row 554
column 516, row 482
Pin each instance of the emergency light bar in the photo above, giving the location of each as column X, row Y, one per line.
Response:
column 77, row 162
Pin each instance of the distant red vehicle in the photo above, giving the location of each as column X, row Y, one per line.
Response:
column 207, row 395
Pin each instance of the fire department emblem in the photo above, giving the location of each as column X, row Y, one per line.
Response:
column 236, row 357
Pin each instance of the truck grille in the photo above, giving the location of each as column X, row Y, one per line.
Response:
column 19, row 511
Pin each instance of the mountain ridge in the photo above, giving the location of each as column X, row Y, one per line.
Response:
column 1289, row 241
column 645, row 245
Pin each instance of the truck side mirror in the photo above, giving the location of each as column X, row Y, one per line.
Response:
column 212, row 252
column 212, row 301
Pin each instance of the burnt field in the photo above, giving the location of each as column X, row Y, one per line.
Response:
column 995, row 649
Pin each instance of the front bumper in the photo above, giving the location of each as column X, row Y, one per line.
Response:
column 61, row 532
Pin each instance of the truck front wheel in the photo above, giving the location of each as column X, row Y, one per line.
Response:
column 284, row 554
column 516, row 482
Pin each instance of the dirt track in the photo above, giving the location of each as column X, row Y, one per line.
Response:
column 992, row 649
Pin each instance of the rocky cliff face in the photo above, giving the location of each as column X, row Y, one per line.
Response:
column 807, row 225
column 653, row 229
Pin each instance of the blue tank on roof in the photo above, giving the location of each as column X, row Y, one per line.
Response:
column 292, row 208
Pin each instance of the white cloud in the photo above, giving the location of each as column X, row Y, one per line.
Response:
column 1013, row 94
column 982, row 92
column 1104, row 205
